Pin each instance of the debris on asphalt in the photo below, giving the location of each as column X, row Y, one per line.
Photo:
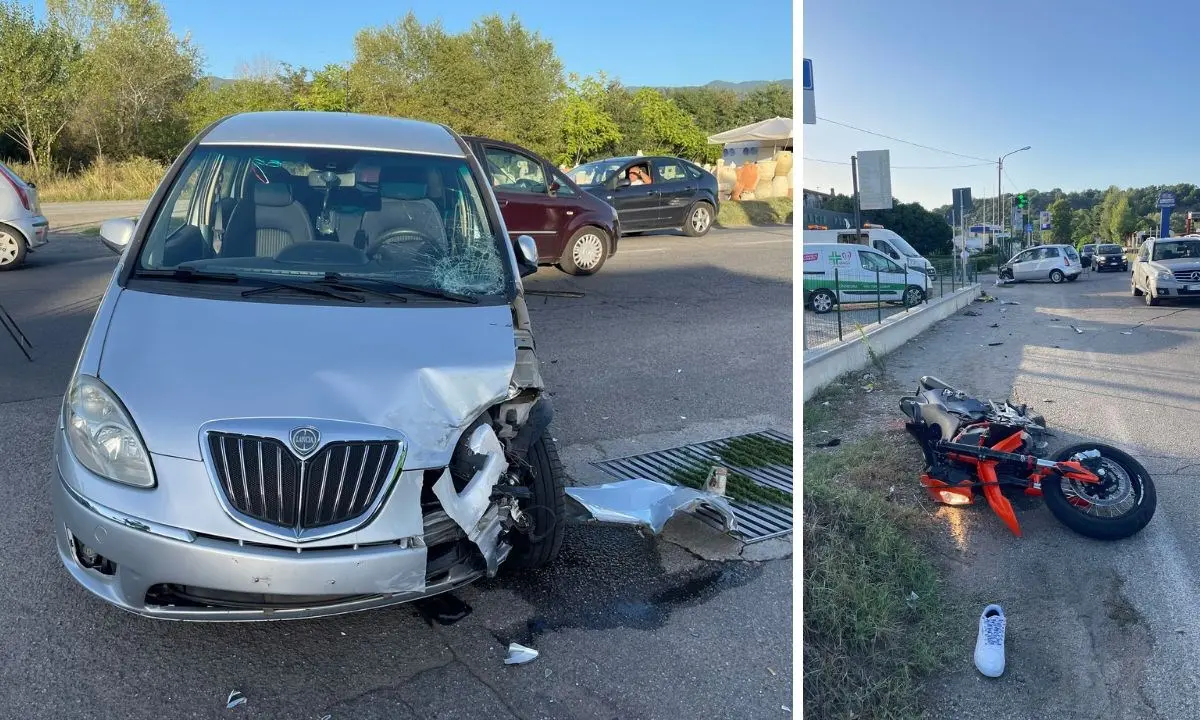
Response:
column 1076, row 329
column 994, row 344
column 972, row 313
column 995, row 325
column 1047, row 400
column 1055, row 319
column 1126, row 332
column 646, row 503
column 235, row 698
column 1009, row 302
column 831, row 442
column 826, row 403
column 555, row 293
column 718, row 478
column 519, row 654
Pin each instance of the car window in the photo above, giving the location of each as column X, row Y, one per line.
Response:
column 694, row 171
column 564, row 187
column 669, row 171
column 873, row 262
column 1050, row 252
column 1144, row 252
column 515, row 172
column 414, row 219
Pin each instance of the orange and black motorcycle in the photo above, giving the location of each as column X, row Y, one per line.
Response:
column 1094, row 489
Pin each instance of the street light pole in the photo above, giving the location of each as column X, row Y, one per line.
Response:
column 999, row 182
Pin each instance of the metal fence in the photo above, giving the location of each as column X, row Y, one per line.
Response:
column 849, row 303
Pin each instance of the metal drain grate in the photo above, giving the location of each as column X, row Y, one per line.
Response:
column 757, row 520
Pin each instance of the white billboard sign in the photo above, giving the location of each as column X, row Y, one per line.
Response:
column 874, row 180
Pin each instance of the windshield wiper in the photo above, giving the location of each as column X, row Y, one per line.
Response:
column 274, row 286
column 190, row 274
column 337, row 280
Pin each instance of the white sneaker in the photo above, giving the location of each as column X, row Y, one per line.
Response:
column 989, row 646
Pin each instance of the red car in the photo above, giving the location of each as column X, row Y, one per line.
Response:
column 574, row 229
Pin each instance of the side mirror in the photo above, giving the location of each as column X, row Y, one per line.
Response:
column 116, row 234
column 527, row 255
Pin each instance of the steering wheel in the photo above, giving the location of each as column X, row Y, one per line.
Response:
column 406, row 236
column 530, row 185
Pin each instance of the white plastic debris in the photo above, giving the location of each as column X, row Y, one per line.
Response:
column 1126, row 332
column 519, row 654
column 235, row 698
column 1009, row 302
column 913, row 598
column 1076, row 329
column 644, row 502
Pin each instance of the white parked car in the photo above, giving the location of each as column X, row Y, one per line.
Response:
column 1167, row 268
column 22, row 225
column 1056, row 263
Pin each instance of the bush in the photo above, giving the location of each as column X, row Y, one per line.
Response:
column 133, row 179
column 744, row 213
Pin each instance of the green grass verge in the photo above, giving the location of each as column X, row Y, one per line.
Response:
column 747, row 213
column 133, row 179
column 867, row 644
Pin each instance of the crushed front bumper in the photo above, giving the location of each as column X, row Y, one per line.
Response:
column 170, row 573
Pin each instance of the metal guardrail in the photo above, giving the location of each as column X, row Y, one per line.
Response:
column 839, row 308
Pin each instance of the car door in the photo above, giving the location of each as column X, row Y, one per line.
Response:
column 1050, row 259
column 522, row 190
column 676, row 191
column 1024, row 265
column 637, row 205
column 882, row 278
column 1142, row 266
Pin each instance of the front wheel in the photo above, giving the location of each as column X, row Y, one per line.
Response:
column 699, row 220
column 585, row 253
column 913, row 296
column 1150, row 299
column 542, row 472
column 1117, row 507
column 1134, row 289
column 1057, row 276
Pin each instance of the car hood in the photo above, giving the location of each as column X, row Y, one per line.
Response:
column 1175, row 266
column 427, row 372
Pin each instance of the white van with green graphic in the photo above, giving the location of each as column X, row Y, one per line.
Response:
column 843, row 273
column 880, row 238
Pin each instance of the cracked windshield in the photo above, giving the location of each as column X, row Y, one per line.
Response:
column 297, row 213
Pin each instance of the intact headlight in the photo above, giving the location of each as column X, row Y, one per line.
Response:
column 102, row 435
column 1165, row 275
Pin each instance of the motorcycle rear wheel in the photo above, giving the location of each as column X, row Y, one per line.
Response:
column 1118, row 509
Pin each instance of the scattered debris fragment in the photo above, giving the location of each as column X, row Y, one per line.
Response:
column 235, row 698
column 555, row 293
column 994, row 344
column 994, row 325
column 519, row 654
column 718, row 478
column 972, row 313
column 1009, row 302
column 826, row 403
column 1047, row 400
column 831, row 442
column 868, row 387
column 1076, row 329
column 1126, row 332
column 1055, row 319
column 913, row 597
column 644, row 502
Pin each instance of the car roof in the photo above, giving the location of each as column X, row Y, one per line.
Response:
column 335, row 130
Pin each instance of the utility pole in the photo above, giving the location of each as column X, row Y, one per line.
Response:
column 857, row 215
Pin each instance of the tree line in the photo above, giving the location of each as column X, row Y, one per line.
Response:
column 927, row 231
column 109, row 79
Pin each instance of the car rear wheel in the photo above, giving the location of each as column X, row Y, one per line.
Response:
column 1057, row 276
column 699, row 220
column 913, row 296
column 823, row 301
column 12, row 249
column 585, row 253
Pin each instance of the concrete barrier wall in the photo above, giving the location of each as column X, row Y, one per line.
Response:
column 823, row 366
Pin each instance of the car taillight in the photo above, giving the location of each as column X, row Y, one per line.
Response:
column 18, row 186
column 1068, row 262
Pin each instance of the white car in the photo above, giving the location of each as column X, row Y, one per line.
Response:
column 22, row 225
column 1056, row 263
column 1167, row 268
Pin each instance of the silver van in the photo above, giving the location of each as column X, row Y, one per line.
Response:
column 311, row 385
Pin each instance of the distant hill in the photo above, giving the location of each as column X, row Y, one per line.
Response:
column 215, row 82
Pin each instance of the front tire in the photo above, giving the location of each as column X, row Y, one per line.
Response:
column 1128, row 483
column 1057, row 276
column 585, row 253
column 913, row 296
column 1134, row 289
column 543, row 473
column 12, row 249
column 699, row 220
column 1150, row 299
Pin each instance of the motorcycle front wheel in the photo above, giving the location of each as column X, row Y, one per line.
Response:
column 1119, row 506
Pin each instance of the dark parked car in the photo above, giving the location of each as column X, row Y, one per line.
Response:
column 679, row 194
column 1110, row 257
column 573, row 229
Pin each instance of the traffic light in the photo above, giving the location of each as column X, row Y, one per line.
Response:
column 1022, row 202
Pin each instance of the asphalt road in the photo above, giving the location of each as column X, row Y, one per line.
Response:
column 1095, row 629
column 675, row 340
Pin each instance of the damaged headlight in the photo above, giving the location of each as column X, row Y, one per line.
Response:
column 102, row 435
column 1165, row 275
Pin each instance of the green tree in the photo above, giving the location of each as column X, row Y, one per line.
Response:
column 586, row 127
column 328, row 91
column 136, row 75
column 1122, row 221
column 206, row 104
column 714, row 110
column 496, row 79
column 765, row 102
column 39, row 65
column 1061, row 217
column 664, row 128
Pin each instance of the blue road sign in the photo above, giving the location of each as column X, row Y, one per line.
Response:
column 808, row 74
column 1166, row 199
column 1028, row 228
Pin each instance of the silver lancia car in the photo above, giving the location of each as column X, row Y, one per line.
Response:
column 310, row 387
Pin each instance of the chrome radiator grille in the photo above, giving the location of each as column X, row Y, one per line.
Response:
column 264, row 480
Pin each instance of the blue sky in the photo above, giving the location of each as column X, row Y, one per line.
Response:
column 1102, row 90
column 681, row 41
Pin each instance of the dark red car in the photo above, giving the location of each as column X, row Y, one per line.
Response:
column 574, row 230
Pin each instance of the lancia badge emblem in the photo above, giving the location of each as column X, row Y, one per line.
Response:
column 305, row 440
